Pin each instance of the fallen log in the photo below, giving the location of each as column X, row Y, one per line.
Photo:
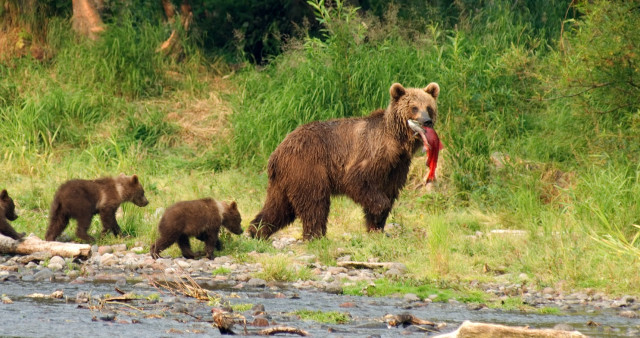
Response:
column 480, row 330
column 33, row 244
column 282, row 329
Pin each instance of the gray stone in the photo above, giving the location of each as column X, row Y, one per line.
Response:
column 410, row 297
column 256, row 283
column 54, row 266
column 108, row 259
column 44, row 274
column 393, row 273
column 57, row 260
column 334, row 288
column 628, row 314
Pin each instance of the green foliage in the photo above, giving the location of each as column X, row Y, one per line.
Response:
column 328, row 317
column 385, row 287
column 279, row 268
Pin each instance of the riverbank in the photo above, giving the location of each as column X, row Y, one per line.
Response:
column 117, row 267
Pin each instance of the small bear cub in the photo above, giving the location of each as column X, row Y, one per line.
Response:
column 198, row 218
column 81, row 199
column 8, row 211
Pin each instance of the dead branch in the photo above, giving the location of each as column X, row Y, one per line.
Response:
column 366, row 265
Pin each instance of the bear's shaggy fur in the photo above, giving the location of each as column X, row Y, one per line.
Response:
column 198, row 218
column 81, row 199
column 8, row 212
column 365, row 158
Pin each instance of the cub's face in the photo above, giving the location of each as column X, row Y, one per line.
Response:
column 416, row 104
column 232, row 220
column 6, row 204
column 134, row 189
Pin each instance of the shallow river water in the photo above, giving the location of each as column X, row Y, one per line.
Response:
column 159, row 313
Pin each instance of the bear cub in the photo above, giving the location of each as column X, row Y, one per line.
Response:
column 81, row 199
column 198, row 218
column 8, row 211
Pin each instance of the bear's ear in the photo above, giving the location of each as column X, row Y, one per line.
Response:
column 3, row 194
column 233, row 206
column 433, row 89
column 134, row 179
column 397, row 91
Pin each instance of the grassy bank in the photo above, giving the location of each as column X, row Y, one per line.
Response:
column 539, row 136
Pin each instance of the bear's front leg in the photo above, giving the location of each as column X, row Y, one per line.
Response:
column 108, row 218
column 211, row 243
column 376, row 222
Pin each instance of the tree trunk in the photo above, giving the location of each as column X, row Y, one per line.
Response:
column 86, row 19
column 33, row 244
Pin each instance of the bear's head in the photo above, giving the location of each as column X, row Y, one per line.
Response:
column 231, row 218
column 131, row 190
column 6, row 204
column 414, row 104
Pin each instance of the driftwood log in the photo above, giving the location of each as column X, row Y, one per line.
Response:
column 482, row 330
column 32, row 244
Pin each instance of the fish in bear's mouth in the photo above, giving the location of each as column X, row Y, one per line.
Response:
column 431, row 144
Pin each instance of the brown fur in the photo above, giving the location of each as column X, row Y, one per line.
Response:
column 81, row 199
column 8, row 212
column 199, row 218
column 365, row 158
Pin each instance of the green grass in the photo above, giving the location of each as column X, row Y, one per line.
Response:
column 326, row 317
column 280, row 268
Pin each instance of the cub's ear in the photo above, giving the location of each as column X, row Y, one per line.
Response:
column 433, row 89
column 134, row 179
column 233, row 206
column 4, row 194
column 397, row 91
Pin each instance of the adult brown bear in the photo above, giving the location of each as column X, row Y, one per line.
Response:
column 364, row 158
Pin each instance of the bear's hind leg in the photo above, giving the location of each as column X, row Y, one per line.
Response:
column 276, row 214
column 313, row 210
column 185, row 247
column 161, row 243
column 57, row 223
column 83, row 226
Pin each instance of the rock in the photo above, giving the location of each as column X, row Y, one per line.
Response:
column 55, row 266
column 260, row 321
column 333, row 288
column 344, row 258
column 138, row 249
column 57, row 260
column 44, row 274
column 105, row 249
column 108, row 259
column 256, row 283
column 628, row 314
column 119, row 247
column 222, row 260
column 347, row 305
column 393, row 273
column 410, row 297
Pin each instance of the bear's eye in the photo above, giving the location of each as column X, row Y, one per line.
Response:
column 415, row 110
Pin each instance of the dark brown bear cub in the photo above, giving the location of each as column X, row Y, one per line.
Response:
column 8, row 212
column 81, row 199
column 199, row 218
column 366, row 159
